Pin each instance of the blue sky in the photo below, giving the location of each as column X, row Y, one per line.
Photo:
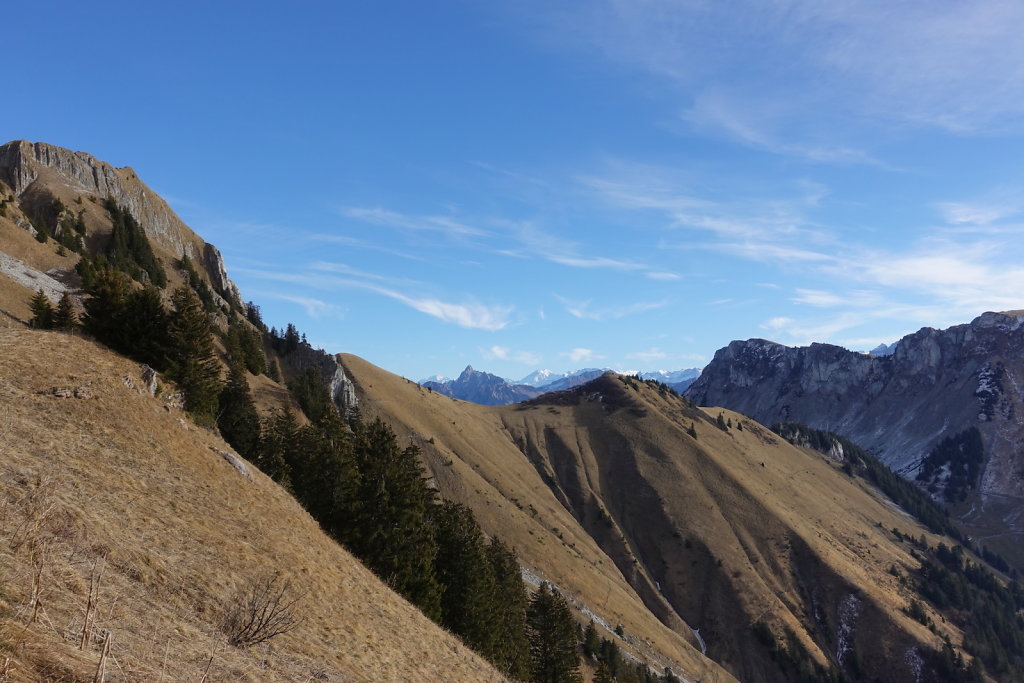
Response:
column 517, row 185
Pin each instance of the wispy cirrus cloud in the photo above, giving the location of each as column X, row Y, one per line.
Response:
column 468, row 314
column 648, row 356
column 315, row 308
column 444, row 225
column 497, row 352
column 584, row 311
column 582, row 355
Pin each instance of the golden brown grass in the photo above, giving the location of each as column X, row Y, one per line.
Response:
column 717, row 532
column 121, row 488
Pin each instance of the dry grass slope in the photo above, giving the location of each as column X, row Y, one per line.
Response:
column 607, row 496
column 117, row 487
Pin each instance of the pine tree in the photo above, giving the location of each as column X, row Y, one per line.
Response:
column 193, row 363
column 144, row 322
column 42, row 311
column 278, row 434
column 392, row 534
column 64, row 318
column 105, row 307
column 511, row 647
column 311, row 393
column 553, row 655
column 462, row 567
column 237, row 419
column 591, row 641
column 324, row 474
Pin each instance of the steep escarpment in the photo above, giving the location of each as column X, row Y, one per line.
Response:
column 935, row 385
column 38, row 174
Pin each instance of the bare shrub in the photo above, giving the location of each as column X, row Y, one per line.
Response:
column 265, row 610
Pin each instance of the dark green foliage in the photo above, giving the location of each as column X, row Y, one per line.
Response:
column 964, row 454
column 392, row 533
column 252, row 314
column 324, row 474
column 193, row 364
column 197, row 283
column 591, row 641
column 237, row 419
column 311, row 393
column 244, row 345
column 511, row 649
column 286, row 342
column 462, row 568
column 129, row 250
column 42, row 311
column 65, row 318
column 553, row 654
column 277, row 443
column 144, row 327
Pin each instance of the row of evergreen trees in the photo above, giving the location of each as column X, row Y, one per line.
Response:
column 353, row 477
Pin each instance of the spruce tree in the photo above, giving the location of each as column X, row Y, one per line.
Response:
column 193, row 363
column 278, row 434
column 324, row 474
column 144, row 322
column 591, row 641
column 42, row 311
column 511, row 646
column 392, row 534
column 463, row 570
column 237, row 419
column 553, row 654
column 105, row 306
column 64, row 318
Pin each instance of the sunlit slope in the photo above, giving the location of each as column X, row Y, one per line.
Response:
column 638, row 519
column 114, row 482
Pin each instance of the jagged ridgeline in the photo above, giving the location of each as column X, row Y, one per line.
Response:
column 686, row 540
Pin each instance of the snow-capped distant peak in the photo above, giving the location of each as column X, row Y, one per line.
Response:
column 440, row 379
column 539, row 377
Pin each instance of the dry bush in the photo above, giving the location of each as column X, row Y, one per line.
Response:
column 265, row 610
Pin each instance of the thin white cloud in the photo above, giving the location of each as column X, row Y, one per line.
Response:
column 497, row 352
column 584, row 311
column 663, row 276
column 777, row 323
column 393, row 219
column 582, row 355
column 315, row 308
column 648, row 356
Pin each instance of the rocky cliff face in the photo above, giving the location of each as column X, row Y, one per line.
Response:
column 935, row 384
column 37, row 171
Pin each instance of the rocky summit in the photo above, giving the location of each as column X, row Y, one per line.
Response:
column 907, row 407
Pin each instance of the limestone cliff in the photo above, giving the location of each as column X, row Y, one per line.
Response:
column 40, row 172
column 935, row 384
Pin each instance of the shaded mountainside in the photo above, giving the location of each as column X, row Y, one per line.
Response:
column 935, row 387
column 113, row 483
column 483, row 388
column 728, row 542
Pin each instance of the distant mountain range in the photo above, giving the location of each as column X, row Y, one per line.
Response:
column 491, row 390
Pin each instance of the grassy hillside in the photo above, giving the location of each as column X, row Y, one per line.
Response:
column 736, row 532
column 119, row 485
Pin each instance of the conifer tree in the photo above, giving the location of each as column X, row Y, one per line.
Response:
column 237, row 419
column 278, row 434
column 324, row 474
column 464, row 572
column 104, row 308
column 591, row 641
column 42, row 311
column 64, row 318
column 193, row 363
column 511, row 646
column 553, row 655
column 143, row 327
column 392, row 534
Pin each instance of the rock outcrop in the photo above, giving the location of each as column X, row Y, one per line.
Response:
column 484, row 388
column 935, row 384
column 29, row 168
